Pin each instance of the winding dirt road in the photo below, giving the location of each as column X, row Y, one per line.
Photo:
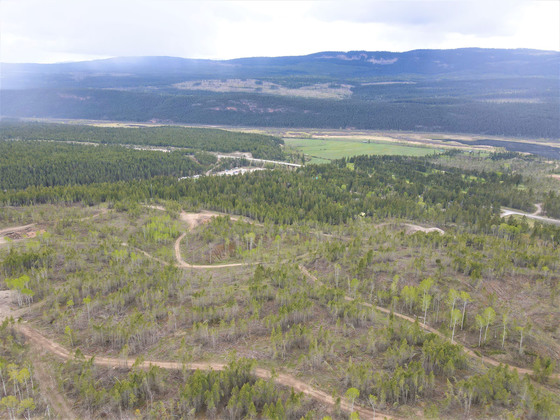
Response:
column 41, row 343
column 469, row 351
column 282, row 379
column 535, row 215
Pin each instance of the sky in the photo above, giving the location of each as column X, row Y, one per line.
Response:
column 47, row 31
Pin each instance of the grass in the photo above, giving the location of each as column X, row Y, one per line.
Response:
column 322, row 151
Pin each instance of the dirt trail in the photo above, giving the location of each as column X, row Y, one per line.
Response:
column 538, row 211
column 426, row 327
column 416, row 228
column 49, row 388
column 183, row 264
column 13, row 233
column 282, row 379
column 194, row 220
column 535, row 215
column 5, row 231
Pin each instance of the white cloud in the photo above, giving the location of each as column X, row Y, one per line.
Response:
column 55, row 30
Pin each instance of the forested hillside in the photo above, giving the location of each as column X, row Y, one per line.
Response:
column 500, row 92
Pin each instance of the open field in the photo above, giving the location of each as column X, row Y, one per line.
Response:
column 442, row 141
column 323, row 150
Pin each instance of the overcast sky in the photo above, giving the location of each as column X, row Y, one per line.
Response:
column 71, row 30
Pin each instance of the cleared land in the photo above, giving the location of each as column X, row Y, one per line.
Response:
column 319, row 90
column 322, row 150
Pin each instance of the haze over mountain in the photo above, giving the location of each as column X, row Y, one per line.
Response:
column 491, row 91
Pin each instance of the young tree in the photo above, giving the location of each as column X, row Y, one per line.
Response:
column 542, row 369
column 523, row 329
column 489, row 317
column 372, row 401
column 455, row 317
column 465, row 297
column 479, row 320
column 505, row 316
column 426, row 300
column 452, row 297
column 352, row 394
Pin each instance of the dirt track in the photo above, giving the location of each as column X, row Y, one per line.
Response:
column 281, row 379
column 194, row 220
column 534, row 215
column 469, row 351
column 57, row 400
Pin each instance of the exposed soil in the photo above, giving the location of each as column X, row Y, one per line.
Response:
column 6, row 309
column 416, row 228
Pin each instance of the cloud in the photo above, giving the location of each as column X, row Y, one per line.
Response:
column 459, row 16
column 55, row 30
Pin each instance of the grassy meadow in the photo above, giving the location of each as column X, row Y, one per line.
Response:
column 324, row 150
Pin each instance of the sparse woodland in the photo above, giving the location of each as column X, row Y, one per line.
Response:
column 332, row 281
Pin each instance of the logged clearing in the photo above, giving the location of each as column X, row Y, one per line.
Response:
column 318, row 91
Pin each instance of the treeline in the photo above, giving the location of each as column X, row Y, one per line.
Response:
column 551, row 204
column 213, row 140
column 388, row 186
column 44, row 164
column 497, row 114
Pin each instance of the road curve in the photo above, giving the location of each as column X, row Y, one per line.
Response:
column 535, row 215
column 183, row 264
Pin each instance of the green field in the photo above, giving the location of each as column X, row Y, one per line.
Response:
column 322, row 151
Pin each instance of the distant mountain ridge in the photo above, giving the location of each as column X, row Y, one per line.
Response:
column 471, row 90
column 465, row 61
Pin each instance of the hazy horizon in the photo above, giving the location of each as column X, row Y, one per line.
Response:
column 60, row 31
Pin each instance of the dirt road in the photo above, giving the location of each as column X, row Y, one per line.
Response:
column 469, row 351
column 282, row 379
column 194, row 220
column 535, row 215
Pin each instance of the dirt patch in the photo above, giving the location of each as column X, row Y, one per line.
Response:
column 416, row 228
column 19, row 232
column 10, row 230
column 555, row 176
column 6, row 299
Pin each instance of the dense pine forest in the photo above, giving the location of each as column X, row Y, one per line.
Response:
column 192, row 139
column 372, row 286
